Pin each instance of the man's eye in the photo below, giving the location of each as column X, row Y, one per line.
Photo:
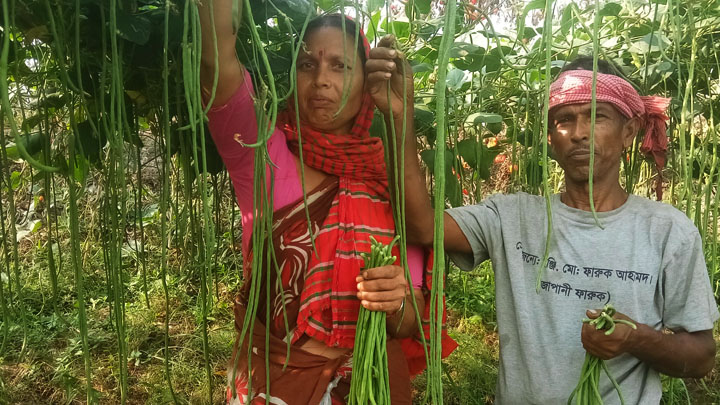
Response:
column 306, row 65
column 340, row 66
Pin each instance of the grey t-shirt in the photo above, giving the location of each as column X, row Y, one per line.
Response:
column 647, row 261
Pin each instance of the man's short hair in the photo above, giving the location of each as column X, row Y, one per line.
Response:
column 585, row 62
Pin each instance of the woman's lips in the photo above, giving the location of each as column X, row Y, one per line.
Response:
column 321, row 102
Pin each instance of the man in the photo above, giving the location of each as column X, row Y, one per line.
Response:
column 646, row 259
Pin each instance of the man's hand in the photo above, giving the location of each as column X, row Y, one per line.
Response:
column 606, row 347
column 388, row 65
column 382, row 288
column 678, row 354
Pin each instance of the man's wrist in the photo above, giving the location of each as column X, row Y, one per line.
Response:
column 642, row 338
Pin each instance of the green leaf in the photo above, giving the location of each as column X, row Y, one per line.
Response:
column 134, row 28
column 37, row 226
column 611, row 9
column 568, row 19
column 533, row 5
column 454, row 79
column 495, row 127
column 15, row 179
column 422, row 67
column 32, row 143
column 373, row 26
column 452, row 186
column 652, row 42
column 467, row 149
column 400, row 29
column 375, row 5
column 89, row 143
column 32, row 121
column 422, row 6
column 492, row 63
column 480, row 117
column 468, row 57
column 81, row 168
column 462, row 49
column 424, row 118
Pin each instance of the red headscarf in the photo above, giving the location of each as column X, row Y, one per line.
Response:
column 575, row 86
column 329, row 307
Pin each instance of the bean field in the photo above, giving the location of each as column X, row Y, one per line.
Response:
column 120, row 250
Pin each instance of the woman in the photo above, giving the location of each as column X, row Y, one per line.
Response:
column 348, row 201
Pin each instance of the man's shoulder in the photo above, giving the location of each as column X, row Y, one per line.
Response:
column 663, row 214
column 520, row 199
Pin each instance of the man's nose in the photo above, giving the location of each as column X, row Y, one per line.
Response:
column 581, row 130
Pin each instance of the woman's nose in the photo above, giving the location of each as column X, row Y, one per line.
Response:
column 321, row 78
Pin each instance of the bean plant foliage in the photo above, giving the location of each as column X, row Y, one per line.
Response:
column 120, row 232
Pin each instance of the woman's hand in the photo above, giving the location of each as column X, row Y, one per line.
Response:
column 382, row 288
column 387, row 65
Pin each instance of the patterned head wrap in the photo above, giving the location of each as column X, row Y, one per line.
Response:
column 575, row 87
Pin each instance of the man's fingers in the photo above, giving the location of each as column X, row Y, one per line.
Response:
column 593, row 313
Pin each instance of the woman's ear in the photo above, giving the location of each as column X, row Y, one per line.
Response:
column 631, row 128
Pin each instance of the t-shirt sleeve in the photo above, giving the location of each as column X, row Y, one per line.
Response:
column 689, row 302
column 481, row 225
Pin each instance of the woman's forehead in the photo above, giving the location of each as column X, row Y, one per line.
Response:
column 328, row 42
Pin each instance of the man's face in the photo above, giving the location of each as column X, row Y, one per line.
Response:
column 328, row 65
column 569, row 137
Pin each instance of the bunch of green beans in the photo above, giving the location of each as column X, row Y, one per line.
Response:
column 370, row 382
column 587, row 392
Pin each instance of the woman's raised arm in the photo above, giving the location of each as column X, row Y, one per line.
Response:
column 219, row 59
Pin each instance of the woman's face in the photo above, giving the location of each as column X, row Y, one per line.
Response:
column 327, row 65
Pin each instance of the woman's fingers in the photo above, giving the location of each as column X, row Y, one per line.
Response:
column 387, row 41
column 382, row 285
column 382, row 296
column 388, row 306
column 386, row 53
column 389, row 271
column 379, row 65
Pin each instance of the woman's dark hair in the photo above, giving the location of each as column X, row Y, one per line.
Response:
column 585, row 62
column 335, row 20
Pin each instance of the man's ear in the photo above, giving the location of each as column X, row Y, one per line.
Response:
column 630, row 130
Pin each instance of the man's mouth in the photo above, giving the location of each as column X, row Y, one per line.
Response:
column 580, row 154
